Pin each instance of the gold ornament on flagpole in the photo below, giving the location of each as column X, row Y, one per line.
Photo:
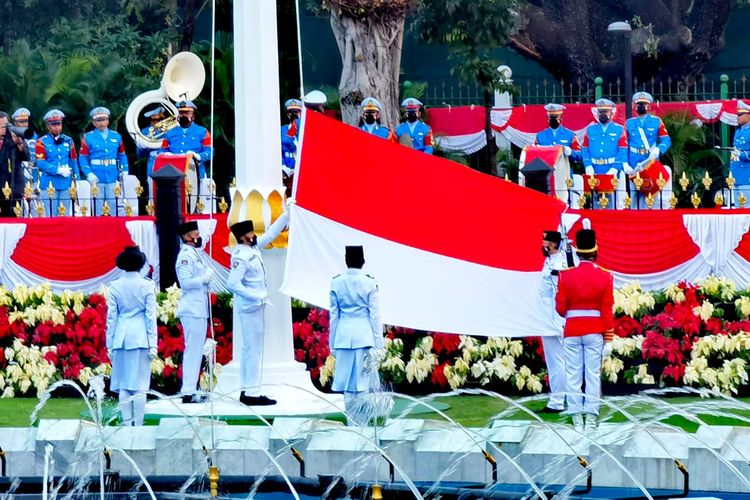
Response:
column 105, row 208
column 569, row 183
column 39, row 209
column 199, row 206
column 742, row 200
column 117, row 190
column 18, row 210
column 138, row 189
column 223, row 205
column 593, row 182
column 673, row 200
column 6, row 191
column 28, row 191
column 731, row 180
column 50, row 190
column 94, row 190
column 707, row 181
column 650, row 200
column 188, row 187
column 61, row 210
column 150, row 207
column 638, row 181
column 627, row 202
column 661, row 181
column 581, row 202
column 684, row 182
column 615, row 182
column 695, row 200
column 84, row 210
column 73, row 192
column 128, row 209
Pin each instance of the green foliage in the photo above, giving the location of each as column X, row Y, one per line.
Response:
column 413, row 89
column 471, row 29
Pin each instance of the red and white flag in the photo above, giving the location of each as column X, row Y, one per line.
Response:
column 452, row 250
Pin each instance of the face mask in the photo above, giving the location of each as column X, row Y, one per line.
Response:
column 58, row 140
column 603, row 118
column 553, row 122
column 184, row 121
column 411, row 117
column 198, row 242
column 254, row 241
column 640, row 109
column 545, row 252
column 369, row 119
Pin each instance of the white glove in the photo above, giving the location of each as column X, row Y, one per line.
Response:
column 589, row 170
column 207, row 275
column 734, row 155
column 195, row 155
column 92, row 178
column 607, row 351
column 627, row 169
column 613, row 171
column 567, row 151
column 153, row 353
column 63, row 170
column 654, row 154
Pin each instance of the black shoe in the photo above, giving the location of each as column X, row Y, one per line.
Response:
column 256, row 400
column 547, row 409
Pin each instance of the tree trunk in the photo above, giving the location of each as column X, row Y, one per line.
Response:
column 188, row 26
column 371, row 59
column 491, row 148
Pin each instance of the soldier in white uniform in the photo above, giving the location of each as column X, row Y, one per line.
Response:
column 247, row 281
column 192, row 310
column 131, row 335
column 355, row 330
column 554, row 351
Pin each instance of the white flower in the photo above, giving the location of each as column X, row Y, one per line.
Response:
column 704, row 311
column 8, row 392
column 631, row 299
column 611, row 367
column 675, row 293
column 328, row 368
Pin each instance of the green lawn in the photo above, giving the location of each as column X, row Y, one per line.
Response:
column 467, row 410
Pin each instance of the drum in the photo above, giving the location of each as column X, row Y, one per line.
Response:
column 601, row 183
column 650, row 177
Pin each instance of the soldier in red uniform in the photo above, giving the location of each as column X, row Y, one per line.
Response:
column 585, row 298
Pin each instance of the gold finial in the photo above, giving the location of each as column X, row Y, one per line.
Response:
column 569, row 183
column 212, row 187
column 84, row 210
column 234, row 182
column 742, row 200
column 150, row 207
column 94, row 190
column 117, row 190
column 593, row 182
column 615, row 182
column 581, row 201
column 627, row 202
column 6, row 191
column 650, row 200
column 105, row 208
column 138, row 189
column 128, row 209
column 673, row 200
column 188, row 187
column 719, row 199
column 731, row 180
column 199, row 206
column 603, row 201
column 50, row 190
column 39, row 209
column 213, row 480
column 706, row 181
column 377, row 492
column 638, row 181
column 18, row 210
column 73, row 191
column 684, row 182
column 223, row 205
column 61, row 210
column 695, row 200
column 28, row 191
column 661, row 181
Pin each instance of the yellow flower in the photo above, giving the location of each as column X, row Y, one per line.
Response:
column 704, row 311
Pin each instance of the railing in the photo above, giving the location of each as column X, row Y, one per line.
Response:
column 84, row 200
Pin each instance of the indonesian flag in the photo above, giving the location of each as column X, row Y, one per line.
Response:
column 453, row 250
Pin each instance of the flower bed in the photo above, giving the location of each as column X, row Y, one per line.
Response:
column 46, row 337
column 686, row 335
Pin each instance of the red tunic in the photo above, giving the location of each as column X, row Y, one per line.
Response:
column 585, row 298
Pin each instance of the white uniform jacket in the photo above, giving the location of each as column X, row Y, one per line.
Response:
column 190, row 271
column 247, row 276
column 131, row 313
column 355, row 312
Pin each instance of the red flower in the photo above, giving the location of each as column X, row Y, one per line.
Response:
column 675, row 372
column 626, row 326
column 438, row 377
column 657, row 346
column 445, row 343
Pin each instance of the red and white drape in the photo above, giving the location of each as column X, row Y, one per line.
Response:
column 461, row 129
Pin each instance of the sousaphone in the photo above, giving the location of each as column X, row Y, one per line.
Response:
column 183, row 78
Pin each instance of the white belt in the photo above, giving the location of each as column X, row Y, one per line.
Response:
column 640, row 151
column 104, row 162
column 583, row 313
column 602, row 161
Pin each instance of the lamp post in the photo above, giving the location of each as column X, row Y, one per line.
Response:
column 623, row 28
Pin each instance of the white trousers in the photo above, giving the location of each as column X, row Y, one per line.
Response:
column 195, row 337
column 132, row 407
column 583, row 360
column 251, row 363
column 554, row 354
